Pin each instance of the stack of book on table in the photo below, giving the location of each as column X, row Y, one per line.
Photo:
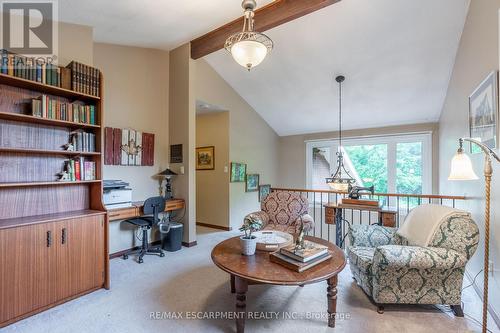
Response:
column 301, row 260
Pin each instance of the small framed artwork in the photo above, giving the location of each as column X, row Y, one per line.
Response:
column 238, row 172
column 483, row 113
column 264, row 191
column 252, row 183
column 176, row 153
column 205, row 158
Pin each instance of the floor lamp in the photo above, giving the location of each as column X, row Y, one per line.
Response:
column 461, row 169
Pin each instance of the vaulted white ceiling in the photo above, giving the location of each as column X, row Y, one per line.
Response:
column 161, row 24
column 397, row 56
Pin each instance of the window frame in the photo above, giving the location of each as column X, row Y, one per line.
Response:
column 391, row 141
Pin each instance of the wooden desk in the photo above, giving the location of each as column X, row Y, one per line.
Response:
column 136, row 209
column 333, row 215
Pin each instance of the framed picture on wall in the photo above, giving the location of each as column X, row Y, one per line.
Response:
column 264, row 191
column 238, row 172
column 483, row 113
column 205, row 158
column 252, row 183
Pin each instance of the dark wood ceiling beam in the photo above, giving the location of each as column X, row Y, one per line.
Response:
column 267, row 17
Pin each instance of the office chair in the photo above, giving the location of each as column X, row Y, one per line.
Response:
column 152, row 207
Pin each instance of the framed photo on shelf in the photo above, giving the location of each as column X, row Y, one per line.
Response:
column 483, row 113
column 264, row 191
column 238, row 172
column 205, row 158
column 252, row 183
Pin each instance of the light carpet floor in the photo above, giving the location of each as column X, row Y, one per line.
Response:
column 186, row 281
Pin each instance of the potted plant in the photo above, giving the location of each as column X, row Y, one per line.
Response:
column 249, row 241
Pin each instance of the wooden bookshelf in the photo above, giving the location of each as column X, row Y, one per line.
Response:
column 45, row 121
column 54, row 183
column 28, row 220
column 48, row 152
column 64, row 222
column 46, row 89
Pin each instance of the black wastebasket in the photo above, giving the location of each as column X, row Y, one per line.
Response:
column 172, row 240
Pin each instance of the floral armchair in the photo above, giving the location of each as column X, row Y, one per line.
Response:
column 283, row 210
column 390, row 270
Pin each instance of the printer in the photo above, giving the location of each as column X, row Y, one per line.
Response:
column 116, row 194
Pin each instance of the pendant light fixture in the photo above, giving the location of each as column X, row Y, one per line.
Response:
column 341, row 179
column 248, row 48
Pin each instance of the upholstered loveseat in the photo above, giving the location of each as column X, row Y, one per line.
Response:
column 390, row 269
column 283, row 211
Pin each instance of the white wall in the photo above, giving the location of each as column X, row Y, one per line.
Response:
column 477, row 56
column 135, row 96
column 252, row 141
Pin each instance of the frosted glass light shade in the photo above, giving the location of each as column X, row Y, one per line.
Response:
column 249, row 53
column 461, row 168
column 339, row 187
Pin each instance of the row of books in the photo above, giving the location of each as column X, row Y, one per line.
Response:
column 29, row 68
column 302, row 259
column 76, row 76
column 84, row 79
column 50, row 108
column 83, row 141
column 80, row 169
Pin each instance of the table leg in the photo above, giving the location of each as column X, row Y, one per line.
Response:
column 332, row 300
column 233, row 290
column 241, row 286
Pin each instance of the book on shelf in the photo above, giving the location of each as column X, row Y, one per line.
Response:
column 46, row 107
column 80, row 169
column 84, row 78
column 30, row 68
column 82, row 141
column 297, row 266
column 310, row 252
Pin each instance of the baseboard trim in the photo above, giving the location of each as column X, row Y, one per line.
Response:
column 214, row 226
column 479, row 292
column 189, row 244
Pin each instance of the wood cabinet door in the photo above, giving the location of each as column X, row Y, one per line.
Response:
column 80, row 255
column 27, row 270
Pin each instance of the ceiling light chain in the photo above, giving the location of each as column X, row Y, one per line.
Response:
column 249, row 48
column 338, row 182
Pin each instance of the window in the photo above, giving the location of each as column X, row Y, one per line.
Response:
column 392, row 164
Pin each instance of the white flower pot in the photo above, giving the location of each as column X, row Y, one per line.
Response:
column 248, row 245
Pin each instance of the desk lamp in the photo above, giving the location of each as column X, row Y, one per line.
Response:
column 167, row 174
column 461, row 169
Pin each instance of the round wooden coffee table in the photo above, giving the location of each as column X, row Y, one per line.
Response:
column 258, row 269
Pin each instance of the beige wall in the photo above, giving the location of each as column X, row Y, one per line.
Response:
column 477, row 56
column 292, row 152
column 182, row 130
column 212, row 129
column 135, row 96
column 75, row 43
column 252, row 141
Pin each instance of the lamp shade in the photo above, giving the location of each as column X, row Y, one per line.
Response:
column 167, row 172
column 249, row 53
column 461, row 167
column 338, row 187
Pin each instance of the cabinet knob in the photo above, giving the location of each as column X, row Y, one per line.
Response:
column 63, row 236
